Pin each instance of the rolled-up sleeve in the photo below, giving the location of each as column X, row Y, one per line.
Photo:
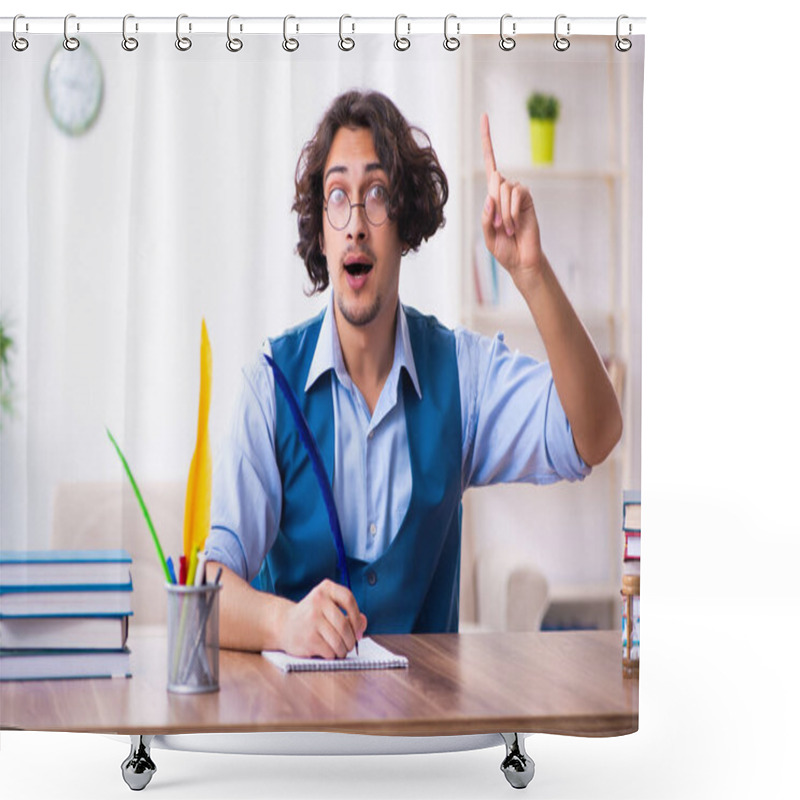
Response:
column 514, row 426
column 246, row 487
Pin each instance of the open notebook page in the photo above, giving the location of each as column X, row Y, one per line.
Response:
column 370, row 656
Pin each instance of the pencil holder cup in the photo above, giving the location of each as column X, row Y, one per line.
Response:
column 193, row 638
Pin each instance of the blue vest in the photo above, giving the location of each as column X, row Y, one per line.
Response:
column 414, row 586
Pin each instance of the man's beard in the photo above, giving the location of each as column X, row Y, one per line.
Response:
column 362, row 316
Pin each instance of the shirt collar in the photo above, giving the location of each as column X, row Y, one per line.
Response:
column 328, row 352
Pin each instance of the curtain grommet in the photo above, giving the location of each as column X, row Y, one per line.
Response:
column 289, row 43
column 129, row 43
column 183, row 43
column 622, row 44
column 70, row 43
column 233, row 44
column 561, row 43
column 451, row 43
column 19, row 43
column 401, row 43
column 346, row 43
column 507, row 43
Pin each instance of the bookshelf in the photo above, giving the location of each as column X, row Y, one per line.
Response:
column 583, row 203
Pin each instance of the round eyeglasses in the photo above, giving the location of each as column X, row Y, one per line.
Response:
column 339, row 208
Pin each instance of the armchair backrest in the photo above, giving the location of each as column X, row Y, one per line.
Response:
column 105, row 515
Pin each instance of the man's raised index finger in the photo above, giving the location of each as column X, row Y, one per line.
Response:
column 488, row 150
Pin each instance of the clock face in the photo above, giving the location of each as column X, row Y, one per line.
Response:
column 74, row 88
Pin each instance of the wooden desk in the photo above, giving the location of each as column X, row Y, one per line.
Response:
column 561, row 683
column 567, row 683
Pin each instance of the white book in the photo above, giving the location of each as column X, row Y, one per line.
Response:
column 632, row 567
column 113, row 602
column 49, row 633
column 370, row 656
column 57, row 664
column 632, row 510
column 56, row 568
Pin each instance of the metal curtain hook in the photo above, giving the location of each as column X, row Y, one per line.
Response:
column 507, row 42
column 561, row 43
column 289, row 44
column 70, row 42
column 623, row 45
column 128, row 42
column 18, row 43
column 451, row 42
column 234, row 45
column 401, row 42
column 183, row 43
column 345, row 43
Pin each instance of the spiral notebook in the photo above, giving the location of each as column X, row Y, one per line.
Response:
column 370, row 656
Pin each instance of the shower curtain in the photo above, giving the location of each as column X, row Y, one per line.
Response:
column 153, row 189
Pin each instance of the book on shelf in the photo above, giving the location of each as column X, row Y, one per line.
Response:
column 631, row 531
column 630, row 633
column 633, row 545
column 632, row 510
column 63, row 633
column 632, row 566
column 631, row 572
column 48, row 568
column 30, row 664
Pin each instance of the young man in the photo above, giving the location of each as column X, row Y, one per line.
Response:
column 407, row 414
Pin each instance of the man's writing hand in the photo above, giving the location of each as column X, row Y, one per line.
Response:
column 326, row 623
column 510, row 227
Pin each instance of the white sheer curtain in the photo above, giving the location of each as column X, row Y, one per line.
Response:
column 174, row 206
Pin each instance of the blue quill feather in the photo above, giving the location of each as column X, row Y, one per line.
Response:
column 319, row 470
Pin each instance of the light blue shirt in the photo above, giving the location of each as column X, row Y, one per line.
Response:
column 513, row 430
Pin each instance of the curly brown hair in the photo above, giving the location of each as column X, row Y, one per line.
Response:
column 418, row 185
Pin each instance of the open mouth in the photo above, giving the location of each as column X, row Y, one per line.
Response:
column 357, row 266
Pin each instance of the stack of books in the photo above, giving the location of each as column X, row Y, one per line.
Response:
column 631, row 570
column 64, row 614
column 632, row 530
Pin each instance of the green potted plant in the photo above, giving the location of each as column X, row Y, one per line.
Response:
column 543, row 112
column 6, row 345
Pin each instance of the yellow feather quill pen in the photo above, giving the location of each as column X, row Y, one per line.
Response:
column 197, row 513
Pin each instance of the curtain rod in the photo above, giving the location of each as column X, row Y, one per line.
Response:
column 350, row 25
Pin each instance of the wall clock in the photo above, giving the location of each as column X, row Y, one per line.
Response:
column 74, row 88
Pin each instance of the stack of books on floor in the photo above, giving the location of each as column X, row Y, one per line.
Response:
column 64, row 614
column 631, row 570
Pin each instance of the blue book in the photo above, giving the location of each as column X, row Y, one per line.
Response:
column 61, row 569
column 62, row 583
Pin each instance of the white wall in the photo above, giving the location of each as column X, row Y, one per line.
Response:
column 174, row 206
